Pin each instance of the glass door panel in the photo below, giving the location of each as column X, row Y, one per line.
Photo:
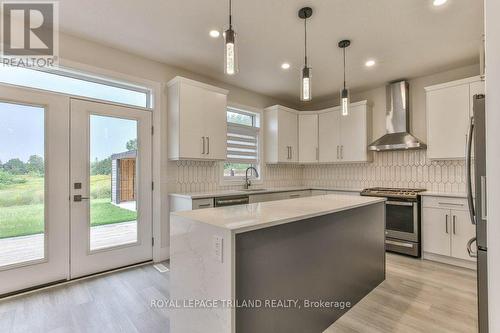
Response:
column 22, row 183
column 113, row 180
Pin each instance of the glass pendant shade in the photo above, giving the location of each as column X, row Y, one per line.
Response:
column 345, row 101
column 305, row 91
column 230, row 52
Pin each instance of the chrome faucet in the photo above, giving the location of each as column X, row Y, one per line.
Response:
column 248, row 183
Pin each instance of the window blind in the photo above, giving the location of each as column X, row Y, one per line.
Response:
column 242, row 143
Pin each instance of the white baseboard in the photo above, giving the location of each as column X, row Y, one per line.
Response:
column 470, row 264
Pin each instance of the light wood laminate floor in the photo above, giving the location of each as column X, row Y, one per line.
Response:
column 417, row 296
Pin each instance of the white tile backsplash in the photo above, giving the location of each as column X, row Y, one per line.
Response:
column 391, row 169
column 201, row 176
column 388, row 169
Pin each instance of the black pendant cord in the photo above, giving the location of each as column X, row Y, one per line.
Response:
column 344, row 68
column 305, row 41
column 230, row 14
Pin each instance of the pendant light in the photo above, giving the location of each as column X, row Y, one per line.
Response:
column 305, row 83
column 345, row 98
column 230, row 51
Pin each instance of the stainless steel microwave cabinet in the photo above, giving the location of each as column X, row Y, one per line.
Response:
column 446, row 229
column 197, row 126
column 449, row 108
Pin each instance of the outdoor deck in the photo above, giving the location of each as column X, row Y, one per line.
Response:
column 27, row 248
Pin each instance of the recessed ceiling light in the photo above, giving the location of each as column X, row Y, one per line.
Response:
column 370, row 63
column 438, row 3
column 214, row 33
column 285, row 65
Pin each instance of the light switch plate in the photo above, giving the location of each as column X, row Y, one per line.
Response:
column 218, row 247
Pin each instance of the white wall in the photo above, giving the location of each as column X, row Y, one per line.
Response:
column 492, row 19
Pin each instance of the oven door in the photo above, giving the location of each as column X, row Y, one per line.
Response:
column 401, row 220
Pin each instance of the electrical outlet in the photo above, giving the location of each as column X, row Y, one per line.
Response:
column 218, row 247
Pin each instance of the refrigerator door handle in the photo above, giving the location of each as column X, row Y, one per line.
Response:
column 471, row 253
column 468, row 168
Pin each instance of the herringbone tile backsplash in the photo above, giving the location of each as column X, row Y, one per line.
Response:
column 388, row 169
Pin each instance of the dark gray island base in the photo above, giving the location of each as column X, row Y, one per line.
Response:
column 338, row 257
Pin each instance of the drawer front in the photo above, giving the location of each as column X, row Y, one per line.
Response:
column 295, row 194
column 203, row 203
column 318, row 192
column 344, row 193
column 445, row 203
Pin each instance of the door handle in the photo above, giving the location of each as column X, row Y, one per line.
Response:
column 454, row 224
column 468, row 171
column 342, row 152
column 208, row 145
column 79, row 198
column 471, row 253
column 203, row 144
column 317, row 153
column 446, row 224
column 338, row 152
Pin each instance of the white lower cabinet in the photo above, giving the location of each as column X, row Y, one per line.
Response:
column 279, row 196
column 446, row 229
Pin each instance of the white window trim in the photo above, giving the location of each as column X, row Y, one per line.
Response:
column 224, row 181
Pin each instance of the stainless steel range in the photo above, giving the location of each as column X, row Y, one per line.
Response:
column 402, row 218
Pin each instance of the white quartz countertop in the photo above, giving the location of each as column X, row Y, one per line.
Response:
column 244, row 218
column 226, row 193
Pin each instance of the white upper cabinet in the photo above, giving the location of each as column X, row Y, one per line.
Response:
column 355, row 130
column 345, row 138
column 329, row 136
column 449, row 108
column 322, row 136
column 281, row 135
column 196, row 120
column 308, row 138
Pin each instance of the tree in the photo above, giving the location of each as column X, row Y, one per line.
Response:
column 35, row 165
column 101, row 167
column 132, row 145
column 15, row 166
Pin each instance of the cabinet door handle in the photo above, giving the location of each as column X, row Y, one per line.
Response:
column 317, row 153
column 446, row 224
column 342, row 152
column 454, row 225
column 208, row 145
column 203, row 139
column 338, row 152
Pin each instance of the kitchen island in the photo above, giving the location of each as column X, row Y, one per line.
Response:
column 283, row 266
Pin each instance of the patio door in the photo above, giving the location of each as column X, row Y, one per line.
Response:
column 111, row 177
column 34, row 183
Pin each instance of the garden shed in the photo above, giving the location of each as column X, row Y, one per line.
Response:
column 123, row 176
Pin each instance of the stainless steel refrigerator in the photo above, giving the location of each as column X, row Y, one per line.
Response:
column 476, row 193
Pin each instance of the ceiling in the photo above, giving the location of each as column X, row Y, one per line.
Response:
column 407, row 38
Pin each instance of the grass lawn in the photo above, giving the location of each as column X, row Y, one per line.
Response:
column 21, row 207
column 28, row 219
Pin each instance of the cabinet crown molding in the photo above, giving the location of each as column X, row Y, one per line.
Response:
column 304, row 112
column 181, row 79
column 454, row 83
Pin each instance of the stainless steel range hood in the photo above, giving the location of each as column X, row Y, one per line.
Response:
column 398, row 136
